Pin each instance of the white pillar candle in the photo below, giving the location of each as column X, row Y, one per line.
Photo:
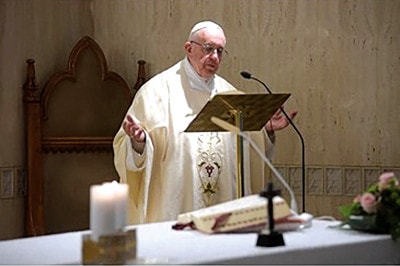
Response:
column 102, row 211
column 121, row 202
column 108, row 207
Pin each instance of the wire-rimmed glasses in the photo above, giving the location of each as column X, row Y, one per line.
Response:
column 209, row 49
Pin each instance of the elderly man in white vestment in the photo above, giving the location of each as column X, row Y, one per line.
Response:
column 169, row 171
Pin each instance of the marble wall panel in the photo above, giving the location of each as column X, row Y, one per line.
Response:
column 339, row 60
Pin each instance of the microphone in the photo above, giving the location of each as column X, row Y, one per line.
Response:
column 247, row 75
column 231, row 128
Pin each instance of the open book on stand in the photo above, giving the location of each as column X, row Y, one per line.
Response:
column 244, row 214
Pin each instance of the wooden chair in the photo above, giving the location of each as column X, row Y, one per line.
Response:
column 70, row 125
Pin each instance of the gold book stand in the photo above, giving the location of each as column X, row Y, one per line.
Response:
column 249, row 112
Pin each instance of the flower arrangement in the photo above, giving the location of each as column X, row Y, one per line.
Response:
column 377, row 209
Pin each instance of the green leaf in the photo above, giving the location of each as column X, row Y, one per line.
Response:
column 345, row 211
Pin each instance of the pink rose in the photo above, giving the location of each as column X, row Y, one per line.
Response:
column 368, row 202
column 385, row 179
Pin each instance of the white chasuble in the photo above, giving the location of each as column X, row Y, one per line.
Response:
column 180, row 172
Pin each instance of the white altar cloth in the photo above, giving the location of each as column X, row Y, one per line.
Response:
column 160, row 244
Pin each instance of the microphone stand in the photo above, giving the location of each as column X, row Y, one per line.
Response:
column 247, row 75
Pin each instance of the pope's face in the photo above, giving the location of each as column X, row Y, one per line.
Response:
column 205, row 51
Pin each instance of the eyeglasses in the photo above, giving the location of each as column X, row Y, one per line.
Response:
column 209, row 49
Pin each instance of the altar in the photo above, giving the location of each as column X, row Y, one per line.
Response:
column 158, row 243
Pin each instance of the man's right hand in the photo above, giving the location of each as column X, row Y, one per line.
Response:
column 135, row 132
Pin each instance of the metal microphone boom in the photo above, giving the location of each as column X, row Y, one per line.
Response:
column 247, row 75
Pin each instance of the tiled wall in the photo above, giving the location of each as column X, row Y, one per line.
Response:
column 12, row 182
column 328, row 187
column 331, row 180
column 320, row 180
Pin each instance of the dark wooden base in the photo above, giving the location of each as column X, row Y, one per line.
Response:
column 273, row 239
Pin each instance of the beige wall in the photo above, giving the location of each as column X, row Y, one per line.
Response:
column 339, row 59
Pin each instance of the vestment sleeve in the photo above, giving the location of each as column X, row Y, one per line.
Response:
column 134, row 160
column 147, row 109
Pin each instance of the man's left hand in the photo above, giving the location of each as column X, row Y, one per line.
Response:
column 279, row 121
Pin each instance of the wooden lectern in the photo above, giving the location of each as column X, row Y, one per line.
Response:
column 249, row 112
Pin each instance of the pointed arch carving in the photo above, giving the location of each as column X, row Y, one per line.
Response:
column 59, row 117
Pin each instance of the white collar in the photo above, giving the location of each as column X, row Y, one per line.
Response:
column 195, row 80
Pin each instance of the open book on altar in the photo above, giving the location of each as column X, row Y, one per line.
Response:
column 244, row 214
